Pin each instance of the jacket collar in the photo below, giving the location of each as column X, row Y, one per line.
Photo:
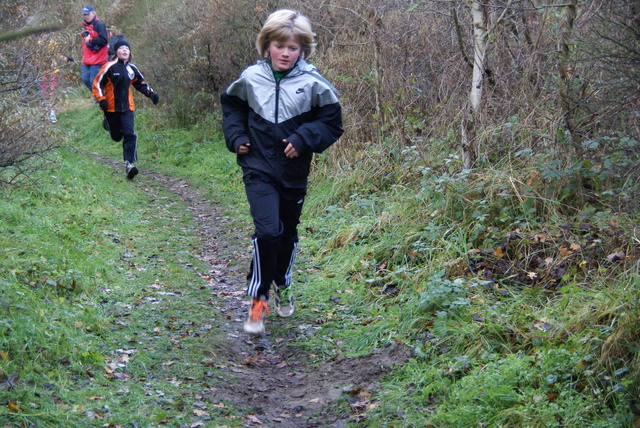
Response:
column 301, row 66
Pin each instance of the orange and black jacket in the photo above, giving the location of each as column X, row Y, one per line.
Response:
column 113, row 84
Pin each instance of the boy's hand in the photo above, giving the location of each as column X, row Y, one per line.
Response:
column 290, row 151
column 154, row 98
column 243, row 149
column 104, row 105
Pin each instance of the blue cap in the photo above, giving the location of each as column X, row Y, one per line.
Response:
column 87, row 9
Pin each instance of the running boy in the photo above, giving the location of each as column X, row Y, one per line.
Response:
column 111, row 88
column 275, row 116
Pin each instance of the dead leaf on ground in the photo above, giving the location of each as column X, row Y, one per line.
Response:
column 564, row 250
column 15, row 407
column 541, row 237
column 614, row 257
column 254, row 420
column 7, row 381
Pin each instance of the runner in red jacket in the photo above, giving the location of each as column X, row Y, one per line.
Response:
column 95, row 45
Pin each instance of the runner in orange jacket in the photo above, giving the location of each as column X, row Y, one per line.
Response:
column 112, row 90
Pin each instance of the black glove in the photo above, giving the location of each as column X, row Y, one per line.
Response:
column 154, row 98
column 104, row 105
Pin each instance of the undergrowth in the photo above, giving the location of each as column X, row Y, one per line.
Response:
column 517, row 291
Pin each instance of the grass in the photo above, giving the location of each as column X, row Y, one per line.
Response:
column 494, row 346
column 490, row 350
column 99, row 298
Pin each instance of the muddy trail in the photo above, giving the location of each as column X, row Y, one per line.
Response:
column 276, row 384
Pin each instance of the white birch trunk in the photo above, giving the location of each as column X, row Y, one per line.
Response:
column 480, row 35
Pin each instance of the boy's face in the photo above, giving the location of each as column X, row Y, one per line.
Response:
column 123, row 53
column 284, row 54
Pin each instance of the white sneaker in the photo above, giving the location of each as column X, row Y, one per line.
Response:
column 284, row 301
column 52, row 116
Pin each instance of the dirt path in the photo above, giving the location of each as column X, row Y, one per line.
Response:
column 277, row 385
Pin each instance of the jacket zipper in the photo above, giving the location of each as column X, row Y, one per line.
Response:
column 277, row 101
column 276, row 120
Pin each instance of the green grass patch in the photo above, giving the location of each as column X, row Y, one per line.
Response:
column 101, row 317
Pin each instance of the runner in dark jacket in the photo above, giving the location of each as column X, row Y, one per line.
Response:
column 275, row 116
column 112, row 90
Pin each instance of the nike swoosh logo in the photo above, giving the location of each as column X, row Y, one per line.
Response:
column 300, row 91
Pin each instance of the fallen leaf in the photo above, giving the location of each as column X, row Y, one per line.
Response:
column 533, row 177
column 541, row 237
column 7, row 382
column 564, row 250
column 542, row 326
column 252, row 419
column 122, row 376
column 15, row 407
column 614, row 257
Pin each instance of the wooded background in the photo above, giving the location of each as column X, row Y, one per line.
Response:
column 546, row 86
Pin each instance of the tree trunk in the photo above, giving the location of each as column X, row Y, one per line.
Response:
column 469, row 121
column 566, row 71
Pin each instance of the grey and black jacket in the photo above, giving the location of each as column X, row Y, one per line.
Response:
column 302, row 108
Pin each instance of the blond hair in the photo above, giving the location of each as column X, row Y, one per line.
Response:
column 283, row 24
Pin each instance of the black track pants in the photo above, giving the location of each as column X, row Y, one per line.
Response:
column 121, row 128
column 276, row 214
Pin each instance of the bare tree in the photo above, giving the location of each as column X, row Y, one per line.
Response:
column 472, row 110
column 566, row 75
column 26, row 136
